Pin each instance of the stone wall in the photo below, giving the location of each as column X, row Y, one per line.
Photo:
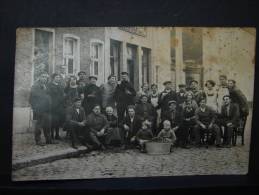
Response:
column 230, row 51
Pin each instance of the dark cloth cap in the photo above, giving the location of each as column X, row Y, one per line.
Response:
column 77, row 99
column 91, row 77
column 193, row 81
column 81, row 72
column 171, row 102
column 124, row 73
column 167, row 82
column 181, row 85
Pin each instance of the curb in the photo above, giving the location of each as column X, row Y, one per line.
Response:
column 49, row 157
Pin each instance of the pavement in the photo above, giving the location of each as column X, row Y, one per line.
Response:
column 60, row 161
column 26, row 153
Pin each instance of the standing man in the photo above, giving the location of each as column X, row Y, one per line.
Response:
column 56, row 92
column 198, row 94
column 64, row 79
column 107, row 91
column 41, row 105
column 230, row 116
column 222, row 90
column 240, row 99
column 181, row 94
column 92, row 95
column 165, row 96
column 81, row 82
column 124, row 95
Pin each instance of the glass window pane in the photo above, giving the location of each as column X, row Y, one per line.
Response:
column 95, row 68
column 70, row 66
column 69, row 44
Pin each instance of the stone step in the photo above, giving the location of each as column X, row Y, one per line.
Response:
column 49, row 157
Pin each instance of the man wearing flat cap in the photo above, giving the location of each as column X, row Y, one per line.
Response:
column 75, row 121
column 92, row 95
column 165, row 96
column 172, row 114
column 124, row 95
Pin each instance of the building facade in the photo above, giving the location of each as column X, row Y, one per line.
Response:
column 142, row 52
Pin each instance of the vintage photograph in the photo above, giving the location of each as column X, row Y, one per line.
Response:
column 116, row 102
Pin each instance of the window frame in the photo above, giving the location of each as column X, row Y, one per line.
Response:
column 76, row 53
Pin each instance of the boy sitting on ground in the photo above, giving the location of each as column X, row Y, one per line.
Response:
column 144, row 134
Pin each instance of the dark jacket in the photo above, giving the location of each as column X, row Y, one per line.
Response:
column 198, row 95
column 96, row 122
column 121, row 96
column 239, row 98
column 180, row 98
column 134, row 126
column 174, row 117
column 233, row 116
column 163, row 100
column 57, row 95
column 39, row 99
column 72, row 116
column 145, row 111
column 70, row 94
column 92, row 96
column 112, row 120
column 208, row 117
column 144, row 134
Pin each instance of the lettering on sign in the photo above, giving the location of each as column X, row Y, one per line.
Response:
column 141, row 31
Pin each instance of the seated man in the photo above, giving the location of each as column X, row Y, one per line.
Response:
column 173, row 114
column 187, row 122
column 167, row 133
column 113, row 132
column 229, row 118
column 97, row 124
column 205, row 121
column 145, row 111
column 131, row 124
column 144, row 134
column 75, row 120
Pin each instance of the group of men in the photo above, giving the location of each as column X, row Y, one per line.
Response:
column 115, row 113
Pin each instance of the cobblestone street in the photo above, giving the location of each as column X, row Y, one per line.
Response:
column 131, row 163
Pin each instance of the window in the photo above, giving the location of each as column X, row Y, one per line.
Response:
column 71, row 54
column 96, row 53
column 43, row 52
column 115, row 58
column 145, row 65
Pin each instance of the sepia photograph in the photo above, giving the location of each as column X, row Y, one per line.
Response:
column 122, row 102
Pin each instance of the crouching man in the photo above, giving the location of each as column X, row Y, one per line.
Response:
column 205, row 121
column 130, row 125
column 75, row 121
column 97, row 124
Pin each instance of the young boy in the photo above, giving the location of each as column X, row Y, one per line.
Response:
column 167, row 134
column 144, row 134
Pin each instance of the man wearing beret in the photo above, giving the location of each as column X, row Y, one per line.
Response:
column 124, row 95
column 165, row 96
column 92, row 95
